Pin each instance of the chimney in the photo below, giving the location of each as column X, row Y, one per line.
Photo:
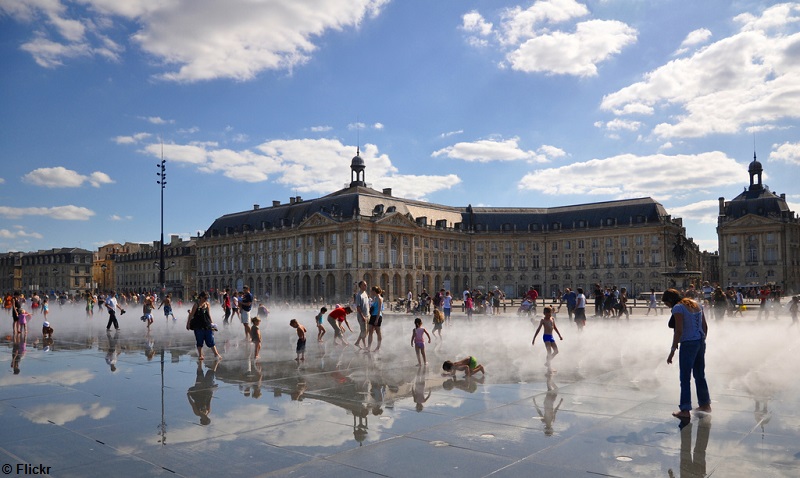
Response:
column 276, row 203
column 298, row 199
column 255, row 207
column 387, row 192
column 291, row 200
column 721, row 206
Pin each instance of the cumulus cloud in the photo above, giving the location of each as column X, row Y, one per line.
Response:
column 619, row 125
column 786, row 152
column 547, row 38
column 65, row 213
column 305, row 165
column 117, row 217
column 156, row 120
column 321, row 129
column 628, row 175
column 194, row 40
column 704, row 212
column 487, row 150
column 696, row 37
column 749, row 78
column 60, row 177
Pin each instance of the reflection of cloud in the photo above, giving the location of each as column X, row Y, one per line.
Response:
column 60, row 413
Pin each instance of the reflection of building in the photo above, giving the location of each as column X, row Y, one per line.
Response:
column 53, row 270
column 759, row 237
column 321, row 247
column 137, row 271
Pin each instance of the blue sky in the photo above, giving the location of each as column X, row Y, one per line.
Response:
column 491, row 103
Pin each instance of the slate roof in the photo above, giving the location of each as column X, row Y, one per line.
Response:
column 359, row 200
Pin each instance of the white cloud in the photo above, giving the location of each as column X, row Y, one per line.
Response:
column 474, row 22
column 786, row 152
column 305, row 165
column 704, row 212
column 696, row 37
column 624, row 176
column 18, row 232
column 749, row 78
column 573, row 53
column 378, row 126
column 619, row 125
column 321, row 129
column 519, row 25
column 196, row 40
column 66, row 213
column 156, row 120
column 487, row 150
column 60, row 177
column 117, row 217
column 2, row 180
column 135, row 138
column 451, row 133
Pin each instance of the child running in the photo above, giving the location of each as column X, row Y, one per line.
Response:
column 469, row 365
column 418, row 341
column 318, row 320
column 255, row 336
column 301, row 340
column 549, row 325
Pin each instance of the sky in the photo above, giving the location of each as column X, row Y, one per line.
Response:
column 491, row 103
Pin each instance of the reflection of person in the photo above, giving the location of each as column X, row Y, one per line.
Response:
column 199, row 321
column 693, row 462
column 201, row 393
column 690, row 332
column 17, row 351
column 111, row 354
column 550, row 410
column 469, row 365
column 418, row 390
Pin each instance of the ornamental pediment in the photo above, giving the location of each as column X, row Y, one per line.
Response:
column 751, row 220
column 395, row 219
column 316, row 220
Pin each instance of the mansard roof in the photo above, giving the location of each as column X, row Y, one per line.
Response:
column 761, row 202
column 362, row 201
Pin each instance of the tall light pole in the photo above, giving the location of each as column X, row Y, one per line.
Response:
column 162, row 174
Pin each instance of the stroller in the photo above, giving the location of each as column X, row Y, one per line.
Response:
column 526, row 309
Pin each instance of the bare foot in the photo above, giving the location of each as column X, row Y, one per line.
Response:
column 681, row 414
column 704, row 408
column 200, row 358
column 256, row 357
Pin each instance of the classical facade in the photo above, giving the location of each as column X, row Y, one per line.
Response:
column 138, row 271
column 56, row 270
column 759, row 238
column 10, row 271
column 104, row 266
column 322, row 247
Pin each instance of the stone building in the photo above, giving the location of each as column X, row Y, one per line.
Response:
column 10, row 271
column 138, row 270
column 316, row 248
column 56, row 270
column 759, row 238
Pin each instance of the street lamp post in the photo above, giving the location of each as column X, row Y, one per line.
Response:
column 162, row 174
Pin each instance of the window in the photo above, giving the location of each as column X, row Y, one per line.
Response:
column 654, row 240
column 321, row 257
column 479, row 261
column 348, row 237
column 581, row 259
column 567, row 260
column 639, row 257
column 639, row 240
column 734, row 239
column 595, row 243
column 623, row 258
column 523, row 261
column 535, row 261
column 770, row 238
column 493, row 246
column 567, row 245
column 334, row 239
column 595, row 259
column 494, row 261
column 521, row 246
column 609, row 258
column 580, row 244
column 479, row 247
column 507, row 261
column 554, row 246
column 381, row 238
column 609, row 242
column 365, row 237
column 623, row 241
column 554, row 260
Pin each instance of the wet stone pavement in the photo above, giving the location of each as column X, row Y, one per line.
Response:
column 138, row 403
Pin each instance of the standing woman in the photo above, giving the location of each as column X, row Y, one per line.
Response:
column 199, row 321
column 375, row 317
column 690, row 332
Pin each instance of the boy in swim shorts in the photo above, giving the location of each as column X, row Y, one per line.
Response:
column 549, row 325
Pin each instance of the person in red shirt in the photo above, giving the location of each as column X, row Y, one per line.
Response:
column 532, row 295
column 763, row 296
column 336, row 318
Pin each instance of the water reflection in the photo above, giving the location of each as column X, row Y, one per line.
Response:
column 548, row 416
column 112, row 349
column 18, row 349
column 201, row 393
column 693, row 461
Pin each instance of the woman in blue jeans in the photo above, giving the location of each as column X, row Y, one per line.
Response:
column 690, row 332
